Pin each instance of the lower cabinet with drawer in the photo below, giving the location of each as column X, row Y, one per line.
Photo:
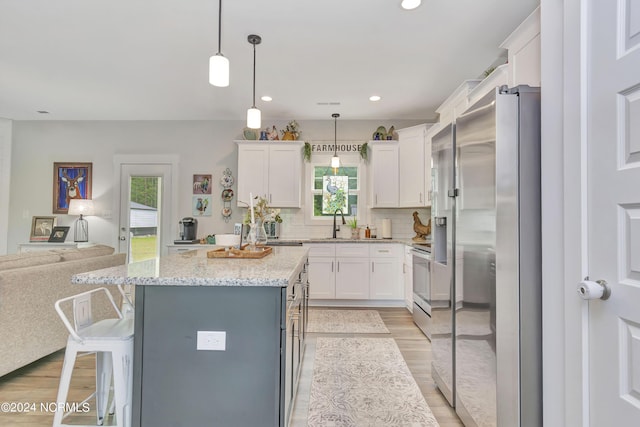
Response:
column 359, row 271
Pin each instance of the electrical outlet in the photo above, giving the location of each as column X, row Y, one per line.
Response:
column 212, row 340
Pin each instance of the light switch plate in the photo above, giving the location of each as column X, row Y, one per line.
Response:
column 212, row 340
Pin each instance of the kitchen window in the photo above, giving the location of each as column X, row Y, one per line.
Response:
column 329, row 190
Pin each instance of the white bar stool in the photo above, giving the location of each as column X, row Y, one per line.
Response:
column 112, row 342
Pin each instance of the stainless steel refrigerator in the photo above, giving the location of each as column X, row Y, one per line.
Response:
column 491, row 336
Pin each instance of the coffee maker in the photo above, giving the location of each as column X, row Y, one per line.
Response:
column 188, row 229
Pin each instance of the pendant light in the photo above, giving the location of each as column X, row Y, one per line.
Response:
column 253, row 114
column 218, row 64
column 335, row 160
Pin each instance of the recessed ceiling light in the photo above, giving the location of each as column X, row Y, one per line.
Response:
column 374, row 98
column 410, row 4
column 267, row 98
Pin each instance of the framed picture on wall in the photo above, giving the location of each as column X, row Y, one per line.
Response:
column 41, row 228
column 201, row 184
column 58, row 234
column 201, row 206
column 70, row 181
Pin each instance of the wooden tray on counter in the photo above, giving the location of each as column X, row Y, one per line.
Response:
column 240, row 253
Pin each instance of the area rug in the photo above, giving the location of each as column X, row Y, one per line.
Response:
column 346, row 322
column 364, row 382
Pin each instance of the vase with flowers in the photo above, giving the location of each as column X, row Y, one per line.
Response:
column 355, row 230
column 267, row 220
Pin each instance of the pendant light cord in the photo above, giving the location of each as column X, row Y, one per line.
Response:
column 254, row 76
column 219, row 26
column 335, row 134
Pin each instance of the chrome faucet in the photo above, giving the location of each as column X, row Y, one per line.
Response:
column 334, row 221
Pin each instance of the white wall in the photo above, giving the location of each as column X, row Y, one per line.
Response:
column 5, row 179
column 203, row 147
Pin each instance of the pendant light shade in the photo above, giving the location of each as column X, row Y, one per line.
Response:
column 335, row 160
column 218, row 64
column 254, row 118
column 219, row 70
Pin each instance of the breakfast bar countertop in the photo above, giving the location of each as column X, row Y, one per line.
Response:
column 193, row 268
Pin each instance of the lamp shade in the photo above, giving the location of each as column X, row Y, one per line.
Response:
column 335, row 162
column 254, row 118
column 81, row 207
column 219, row 70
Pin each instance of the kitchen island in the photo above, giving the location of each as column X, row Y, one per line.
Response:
column 217, row 341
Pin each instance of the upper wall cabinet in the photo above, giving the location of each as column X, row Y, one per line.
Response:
column 272, row 170
column 414, row 167
column 524, row 52
column 383, row 174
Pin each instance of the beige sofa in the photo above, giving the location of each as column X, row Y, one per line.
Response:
column 30, row 284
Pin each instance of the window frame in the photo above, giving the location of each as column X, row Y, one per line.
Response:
column 323, row 160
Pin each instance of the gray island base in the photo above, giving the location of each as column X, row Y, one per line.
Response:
column 248, row 316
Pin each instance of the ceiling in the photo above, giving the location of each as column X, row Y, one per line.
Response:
column 148, row 59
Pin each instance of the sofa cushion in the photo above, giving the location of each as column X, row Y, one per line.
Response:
column 28, row 259
column 73, row 254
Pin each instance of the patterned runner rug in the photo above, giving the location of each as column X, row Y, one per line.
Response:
column 346, row 322
column 364, row 382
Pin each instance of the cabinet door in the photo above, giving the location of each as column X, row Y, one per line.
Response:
column 352, row 278
column 385, row 280
column 412, row 167
column 253, row 171
column 384, row 175
column 322, row 278
column 285, row 175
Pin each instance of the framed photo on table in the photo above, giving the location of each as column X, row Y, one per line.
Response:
column 58, row 234
column 41, row 228
column 70, row 181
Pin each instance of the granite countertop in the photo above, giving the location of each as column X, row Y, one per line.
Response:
column 193, row 268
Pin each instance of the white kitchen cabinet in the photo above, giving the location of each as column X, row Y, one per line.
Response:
column 358, row 271
column 352, row 271
column 414, row 167
column 523, row 46
column 322, row 271
column 322, row 277
column 383, row 174
column 385, row 280
column 352, row 278
column 271, row 170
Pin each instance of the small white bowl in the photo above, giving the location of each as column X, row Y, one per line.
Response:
column 227, row 239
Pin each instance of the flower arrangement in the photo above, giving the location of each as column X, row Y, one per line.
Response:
column 263, row 212
column 292, row 129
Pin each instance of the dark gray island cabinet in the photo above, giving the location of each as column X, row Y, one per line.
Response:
column 218, row 342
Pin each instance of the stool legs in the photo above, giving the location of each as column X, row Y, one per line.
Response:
column 65, row 381
column 123, row 383
column 104, row 373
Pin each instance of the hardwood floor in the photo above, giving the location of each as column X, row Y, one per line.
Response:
column 37, row 384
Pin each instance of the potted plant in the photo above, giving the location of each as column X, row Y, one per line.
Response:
column 355, row 230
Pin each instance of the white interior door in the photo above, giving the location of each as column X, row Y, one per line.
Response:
column 145, row 210
column 613, row 139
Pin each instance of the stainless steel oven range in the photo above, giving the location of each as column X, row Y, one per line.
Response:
column 422, row 288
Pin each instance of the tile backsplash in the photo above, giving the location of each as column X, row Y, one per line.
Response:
column 294, row 225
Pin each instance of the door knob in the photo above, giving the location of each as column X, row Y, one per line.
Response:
column 589, row 289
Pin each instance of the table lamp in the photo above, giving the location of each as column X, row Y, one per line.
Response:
column 81, row 207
